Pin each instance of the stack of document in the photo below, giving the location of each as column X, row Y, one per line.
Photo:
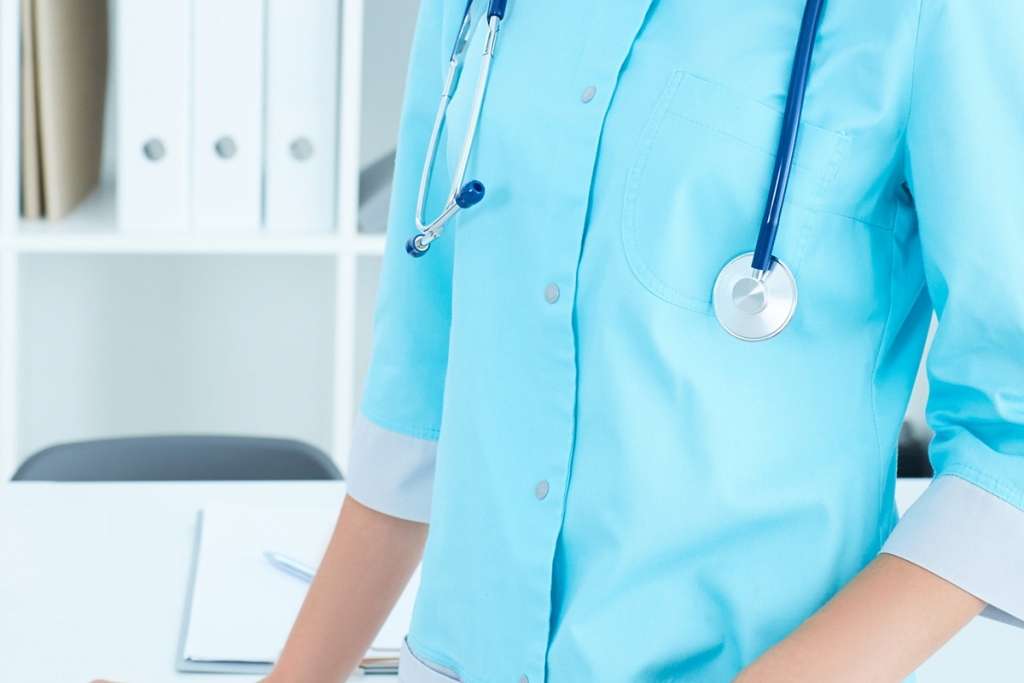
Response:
column 63, row 83
column 241, row 607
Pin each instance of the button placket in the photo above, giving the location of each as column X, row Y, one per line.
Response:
column 602, row 64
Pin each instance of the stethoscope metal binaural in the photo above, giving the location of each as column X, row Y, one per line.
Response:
column 463, row 194
column 755, row 294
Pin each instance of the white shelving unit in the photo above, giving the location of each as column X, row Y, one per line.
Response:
column 104, row 333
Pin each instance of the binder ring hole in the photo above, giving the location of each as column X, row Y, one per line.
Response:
column 153, row 149
column 301, row 149
column 225, row 147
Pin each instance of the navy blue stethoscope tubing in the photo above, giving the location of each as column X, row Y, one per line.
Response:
column 497, row 9
column 788, row 138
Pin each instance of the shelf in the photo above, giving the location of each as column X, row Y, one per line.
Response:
column 92, row 229
column 94, row 217
column 183, row 244
column 93, row 344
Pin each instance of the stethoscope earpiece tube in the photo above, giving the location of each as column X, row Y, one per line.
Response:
column 462, row 39
column 787, row 140
column 463, row 195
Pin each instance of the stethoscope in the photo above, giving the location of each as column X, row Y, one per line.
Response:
column 755, row 295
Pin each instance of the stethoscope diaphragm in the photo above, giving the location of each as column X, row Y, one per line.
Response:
column 754, row 305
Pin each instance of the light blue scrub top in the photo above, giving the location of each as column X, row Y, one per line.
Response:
column 618, row 490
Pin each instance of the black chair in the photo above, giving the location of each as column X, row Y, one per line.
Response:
column 913, row 460
column 179, row 458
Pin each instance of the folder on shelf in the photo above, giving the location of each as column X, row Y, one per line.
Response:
column 302, row 115
column 227, row 142
column 63, row 92
column 153, row 80
column 31, row 179
column 240, row 608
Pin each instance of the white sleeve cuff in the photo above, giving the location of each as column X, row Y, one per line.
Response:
column 391, row 472
column 969, row 537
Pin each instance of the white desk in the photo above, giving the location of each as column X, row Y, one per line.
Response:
column 94, row 582
column 93, row 578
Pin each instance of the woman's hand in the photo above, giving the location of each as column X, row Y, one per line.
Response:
column 881, row 627
column 367, row 565
column 365, row 568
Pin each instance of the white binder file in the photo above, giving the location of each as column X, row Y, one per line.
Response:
column 301, row 96
column 153, row 73
column 227, row 145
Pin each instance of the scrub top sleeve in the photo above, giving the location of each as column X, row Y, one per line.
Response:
column 391, row 461
column 965, row 168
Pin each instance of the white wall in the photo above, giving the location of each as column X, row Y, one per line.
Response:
column 123, row 344
column 387, row 39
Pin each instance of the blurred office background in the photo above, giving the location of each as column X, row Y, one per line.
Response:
column 193, row 198
column 190, row 237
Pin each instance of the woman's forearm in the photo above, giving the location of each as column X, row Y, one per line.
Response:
column 367, row 565
column 881, row 627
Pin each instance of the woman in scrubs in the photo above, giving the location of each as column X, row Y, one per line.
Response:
column 616, row 489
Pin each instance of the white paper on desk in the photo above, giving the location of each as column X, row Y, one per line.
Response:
column 242, row 606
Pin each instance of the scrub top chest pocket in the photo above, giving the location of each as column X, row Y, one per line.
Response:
column 696, row 191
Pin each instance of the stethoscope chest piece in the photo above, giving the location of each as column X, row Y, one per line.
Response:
column 754, row 305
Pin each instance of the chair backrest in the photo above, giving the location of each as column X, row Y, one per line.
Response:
column 179, row 458
column 913, row 461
